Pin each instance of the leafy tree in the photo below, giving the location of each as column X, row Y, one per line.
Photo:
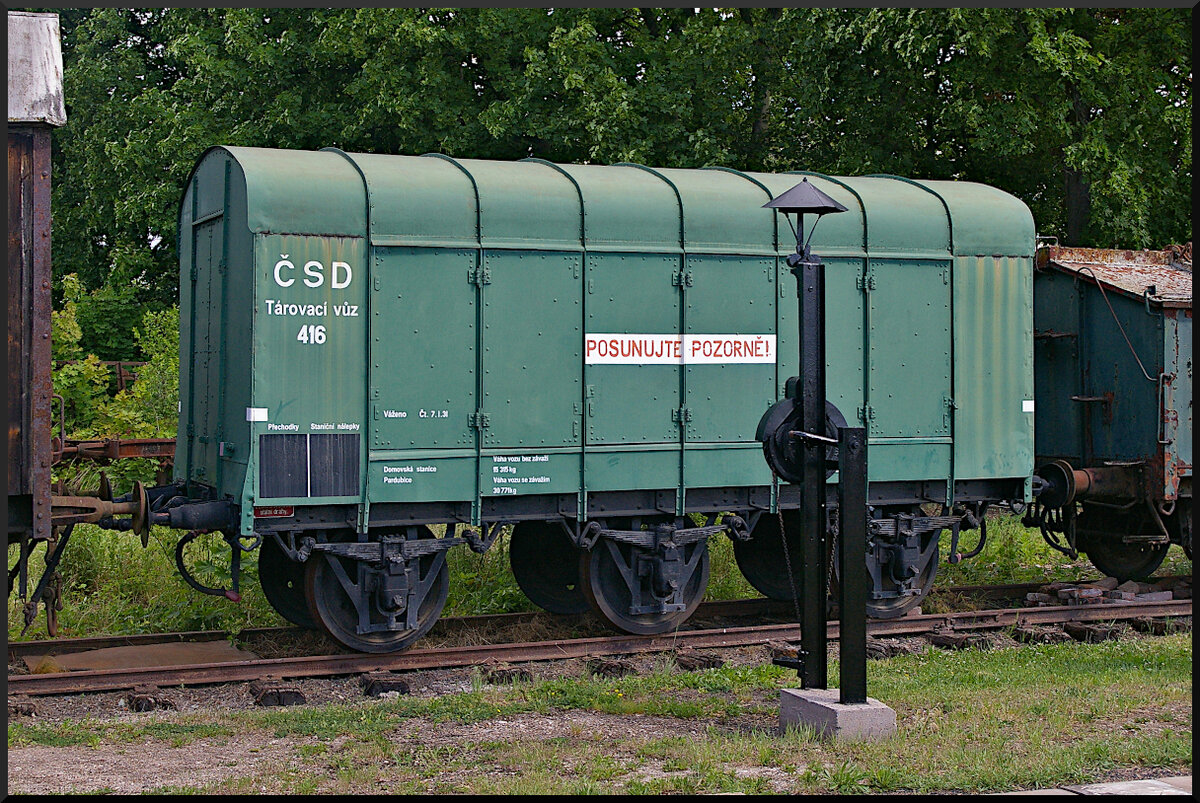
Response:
column 81, row 380
column 149, row 407
column 1085, row 114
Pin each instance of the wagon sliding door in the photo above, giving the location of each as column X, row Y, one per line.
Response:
column 730, row 369
column 423, row 392
column 910, row 364
column 632, row 400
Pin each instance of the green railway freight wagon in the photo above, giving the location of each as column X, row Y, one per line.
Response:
column 372, row 345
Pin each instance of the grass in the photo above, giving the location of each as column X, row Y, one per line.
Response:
column 114, row 586
column 970, row 721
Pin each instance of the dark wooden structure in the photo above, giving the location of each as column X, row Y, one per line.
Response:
column 35, row 106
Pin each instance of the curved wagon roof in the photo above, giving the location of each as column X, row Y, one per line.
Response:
column 435, row 200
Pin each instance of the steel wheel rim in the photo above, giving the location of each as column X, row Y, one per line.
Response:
column 1125, row 561
column 761, row 559
column 894, row 607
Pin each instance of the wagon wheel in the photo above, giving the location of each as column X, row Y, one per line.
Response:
column 893, row 607
column 330, row 582
column 546, row 567
column 762, row 560
column 1124, row 561
column 890, row 607
column 879, row 574
column 1109, row 554
column 282, row 581
column 603, row 574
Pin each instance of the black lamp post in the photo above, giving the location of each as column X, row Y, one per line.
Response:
column 803, row 407
column 797, row 439
column 803, row 199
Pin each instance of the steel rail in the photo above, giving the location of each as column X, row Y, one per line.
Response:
column 742, row 607
column 67, row 646
column 331, row 665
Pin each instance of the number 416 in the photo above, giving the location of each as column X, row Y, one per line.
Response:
column 312, row 335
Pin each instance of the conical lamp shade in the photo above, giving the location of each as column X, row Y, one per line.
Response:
column 804, row 198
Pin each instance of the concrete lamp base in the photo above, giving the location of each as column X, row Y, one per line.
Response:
column 819, row 708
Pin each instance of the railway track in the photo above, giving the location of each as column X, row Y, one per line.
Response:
column 451, row 657
column 733, row 608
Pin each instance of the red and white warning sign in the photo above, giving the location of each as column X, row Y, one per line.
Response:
column 631, row 349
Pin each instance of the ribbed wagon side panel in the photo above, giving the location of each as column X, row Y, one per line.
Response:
column 992, row 401
column 993, row 368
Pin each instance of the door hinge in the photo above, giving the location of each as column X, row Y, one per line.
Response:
column 865, row 283
column 945, row 275
column 681, row 416
column 478, row 420
column 479, row 276
column 866, row 413
column 681, row 278
column 589, row 393
column 948, row 414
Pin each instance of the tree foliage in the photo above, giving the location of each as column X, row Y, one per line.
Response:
column 1085, row 114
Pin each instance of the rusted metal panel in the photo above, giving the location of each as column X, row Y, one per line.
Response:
column 29, row 396
column 1163, row 277
column 1176, row 399
column 35, row 102
column 119, row 448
